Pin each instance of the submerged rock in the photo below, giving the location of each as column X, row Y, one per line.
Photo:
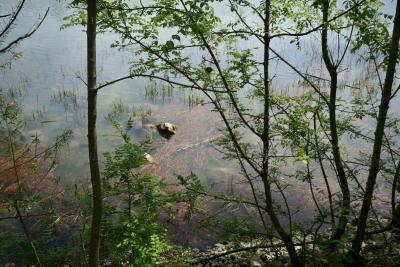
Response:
column 165, row 129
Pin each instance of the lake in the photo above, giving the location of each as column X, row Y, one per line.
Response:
column 54, row 99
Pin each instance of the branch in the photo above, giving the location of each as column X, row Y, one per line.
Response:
column 222, row 76
column 316, row 89
column 2, row 50
column 227, row 199
column 346, row 48
column 327, row 80
column 159, row 78
column 13, row 18
column 216, row 103
column 321, row 25
column 81, row 79
column 395, row 92
column 143, row 8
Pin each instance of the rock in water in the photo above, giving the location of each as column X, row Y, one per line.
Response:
column 148, row 158
column 166, row 129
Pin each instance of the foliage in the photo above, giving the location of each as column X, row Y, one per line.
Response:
column 372, row 30
column 340, row 257
column 266, row 130
column 25, row 167
column 140, row 243
column 135, row 236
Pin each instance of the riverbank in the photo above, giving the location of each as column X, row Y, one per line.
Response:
column 380, row 249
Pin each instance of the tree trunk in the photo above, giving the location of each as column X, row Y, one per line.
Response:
column 395, row 206
column 396, row 222
column 92, row 137
column 332, row 69
column 379, row 132
column 286, row 238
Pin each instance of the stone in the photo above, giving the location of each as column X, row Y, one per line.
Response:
column 255, row 261
column 255, row 264
column 166, row 129
column 148, row 158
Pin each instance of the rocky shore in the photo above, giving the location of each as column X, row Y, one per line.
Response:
column 380, row 249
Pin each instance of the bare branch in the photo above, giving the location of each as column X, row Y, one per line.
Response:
column 158, row 78
column 316, row 89
column 29, row 34
column 13, row 18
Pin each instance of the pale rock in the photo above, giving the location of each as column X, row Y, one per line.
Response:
column 148, row 157
column 255, row 261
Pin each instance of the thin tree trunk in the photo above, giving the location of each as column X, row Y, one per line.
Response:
column 92, row 137
column 128, row 184
column 344, row 187
column 396, row 221
column 286, row 238
column 321, row 164
column 15, row 201
column 395, row 206
column 379, row 132
column 394, row 189
column 27, row 234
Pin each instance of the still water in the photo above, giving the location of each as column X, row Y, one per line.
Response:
column 54, row 99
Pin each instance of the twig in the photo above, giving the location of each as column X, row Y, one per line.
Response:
column 2, row 50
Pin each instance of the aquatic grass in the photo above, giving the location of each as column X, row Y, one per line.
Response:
column 70, row 98
column 193, row 100
column 156, row 91
column 144, row 112
column 118, row 108
column 72, row 102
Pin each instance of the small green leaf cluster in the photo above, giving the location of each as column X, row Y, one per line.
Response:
column 372, row 31
column 135, row 201
column 140, row 243
column 340, row 257
column 134, row 237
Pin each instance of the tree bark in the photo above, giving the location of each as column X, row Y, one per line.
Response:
column 395, row 210
column 332, row 69
column 396, row 222
column 379, row 132
column 92, row 136
column 286, row 238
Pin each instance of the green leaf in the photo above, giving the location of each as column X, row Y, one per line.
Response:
column 302, row 156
